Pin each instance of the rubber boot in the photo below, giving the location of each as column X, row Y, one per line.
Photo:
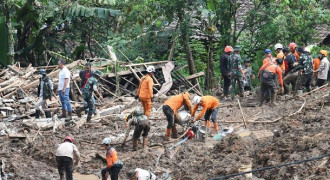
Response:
column 37, row 114
column 273, row 99
column 135, row 144
column 168, row 133
column 145, row 142
column 63, row 115
column 89, row 117
column 262, row 99
column 79, row 110
column 69, row 118
column 48, row 114
column 215, row 127
column 174, row 132
column 62, row 177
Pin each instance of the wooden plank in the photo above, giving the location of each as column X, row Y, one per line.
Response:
column 14, row 70
column 132, row 70
column 148, row 63
column 195, row 75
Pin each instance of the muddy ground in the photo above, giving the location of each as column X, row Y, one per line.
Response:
column 298, row 137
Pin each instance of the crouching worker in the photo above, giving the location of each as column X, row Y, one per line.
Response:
column 141, row 174
column 268, row 74
column 210, row 106
column 64, row 158
column 45, row 89
column 141, row 123
column 113, row 164
column 90, row 87
column 170, row 109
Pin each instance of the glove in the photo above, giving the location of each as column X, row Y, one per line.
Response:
column 136, row 97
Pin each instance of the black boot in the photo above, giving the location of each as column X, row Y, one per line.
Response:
column 262, row 98
column 48, row 114
column 37, row 114
column 79, row 110
column 69, row 116
column 89, row 117
column 63, row 115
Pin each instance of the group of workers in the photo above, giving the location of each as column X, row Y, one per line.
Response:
column 292, row 66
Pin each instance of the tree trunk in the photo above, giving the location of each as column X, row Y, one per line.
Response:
column 11, row 39
column 210, row 66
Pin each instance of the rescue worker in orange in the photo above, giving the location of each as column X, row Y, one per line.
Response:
column 113, row 164
column 268, row 74
column 210, row 106
column 316, row 65
column 269, row 57
column 280, row 55
column 145, row 91
column 293, row 50
column 170, row 109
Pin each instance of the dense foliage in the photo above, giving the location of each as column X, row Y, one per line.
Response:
column 185, row 31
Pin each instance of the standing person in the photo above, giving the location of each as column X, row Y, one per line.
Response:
column 141, row 123
column 306, row 65
column 268, row 74
column 141, row 174
column 291, row 74
column 224, row 70
column 210, row 106
column 247, row 70
column 45, row 89
column 268, row 58
column 293, row 50
column 280, row 54
column 170, row 109
column 236, row 72
column 145, row 90
column 64, row 158
column 84, row 75
column 90, row 87
column 316, row 65
column 64, row 89
column 323, row 69
column 113, row 164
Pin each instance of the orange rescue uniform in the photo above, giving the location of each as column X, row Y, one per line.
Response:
column 208, row 103
column 316, row 65
column 274, row 68
column 111, row 157
column 281, row 56
column 297, row 55
column 175, row 102
column 145, row 93
column 267, row 60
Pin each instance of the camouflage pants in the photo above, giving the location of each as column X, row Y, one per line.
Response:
column 239, row 80
column 90, row 104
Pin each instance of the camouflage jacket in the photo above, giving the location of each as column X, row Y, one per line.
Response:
column 90, row 86
column 234, row 64
column 305, row 63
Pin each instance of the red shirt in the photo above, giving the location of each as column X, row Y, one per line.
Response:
column 86, row 78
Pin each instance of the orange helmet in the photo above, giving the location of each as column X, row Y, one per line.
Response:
column 228, row 49
column 324, row 52
column 292, row 45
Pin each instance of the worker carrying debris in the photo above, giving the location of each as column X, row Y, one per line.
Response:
column 141, row 174
column 268, row 78
column 236, row 72
column 45, row 89
column 64, row 89
column 64, row 158
column 170, row 109
column 141, row 123
column 145, row 90
column 84, row 76
column 210, row 106
column 113, row 164
column 90, row 87
column 306, row 67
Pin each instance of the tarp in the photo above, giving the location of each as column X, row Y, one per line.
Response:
column 167, row 68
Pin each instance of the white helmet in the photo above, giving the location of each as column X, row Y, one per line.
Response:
column 307, row 49
column 278, row 46
column 106, row 141
column 196, row 100
column 150, row 69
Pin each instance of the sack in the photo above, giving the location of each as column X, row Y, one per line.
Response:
column 47, row 91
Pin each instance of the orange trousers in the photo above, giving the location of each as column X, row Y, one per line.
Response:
column 147, row 105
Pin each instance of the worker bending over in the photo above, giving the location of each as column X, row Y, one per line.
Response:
column 145, row 91
column 210, row 106
column 170, row 109
column 268, row 77
column 141, row 174
column 64, row 157
column 141, row 123
column 90, row 87
column 113, row 164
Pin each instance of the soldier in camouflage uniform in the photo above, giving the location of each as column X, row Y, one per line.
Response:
column 236, row 72
column 306, row 67
column 90, row 87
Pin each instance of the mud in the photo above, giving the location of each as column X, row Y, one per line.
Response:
column 292, row 138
